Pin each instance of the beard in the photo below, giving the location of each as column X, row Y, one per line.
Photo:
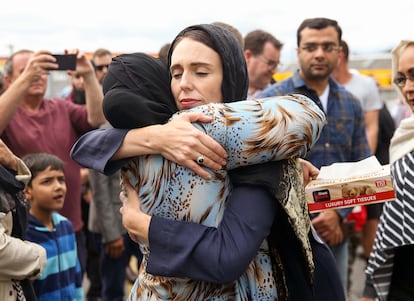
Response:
column 312, row 73
column 79, row 97
column 317, row 75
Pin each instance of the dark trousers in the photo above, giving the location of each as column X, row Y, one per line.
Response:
column 327, row 283
column 93, row 267
column 401, row 288
column 81, row 249
column 113, row 269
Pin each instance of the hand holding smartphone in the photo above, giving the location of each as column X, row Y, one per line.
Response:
column 65, row 61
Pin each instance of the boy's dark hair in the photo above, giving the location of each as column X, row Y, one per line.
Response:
column 38, row 162
column 318, row 23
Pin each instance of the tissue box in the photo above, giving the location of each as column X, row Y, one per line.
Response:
column 367, row 188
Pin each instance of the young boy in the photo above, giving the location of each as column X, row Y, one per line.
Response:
column 61, row 279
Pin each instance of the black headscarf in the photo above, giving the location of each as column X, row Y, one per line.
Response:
column 235, row 79
column 137, row 91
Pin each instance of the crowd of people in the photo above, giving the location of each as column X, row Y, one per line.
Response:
column 195, row 163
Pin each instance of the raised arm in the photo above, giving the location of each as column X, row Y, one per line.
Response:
column 20, row 83
column 93, row 90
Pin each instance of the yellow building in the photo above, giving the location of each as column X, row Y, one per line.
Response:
column 377, row 66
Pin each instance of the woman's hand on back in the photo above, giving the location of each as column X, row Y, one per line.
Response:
column 178, row 141
column 181, row 142
column 134, row 220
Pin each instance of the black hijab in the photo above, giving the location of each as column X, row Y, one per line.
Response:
column 137, row 91
column 235, row 79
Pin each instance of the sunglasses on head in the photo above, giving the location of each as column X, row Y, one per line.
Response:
column 100, row 67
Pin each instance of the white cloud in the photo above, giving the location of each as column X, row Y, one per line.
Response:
column 146, row 25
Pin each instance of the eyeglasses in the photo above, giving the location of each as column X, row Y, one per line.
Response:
column 326, row 47
column 270, row 63
column 100, row 67
column 401, row 79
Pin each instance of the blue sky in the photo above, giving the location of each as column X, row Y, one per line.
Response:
column 126, row 26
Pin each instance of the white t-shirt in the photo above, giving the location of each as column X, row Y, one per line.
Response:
column 324, row 98
column 366, row 90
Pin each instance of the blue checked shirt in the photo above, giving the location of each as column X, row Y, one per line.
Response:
column 343, row 139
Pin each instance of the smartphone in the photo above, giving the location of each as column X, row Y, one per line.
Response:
column 65, row 61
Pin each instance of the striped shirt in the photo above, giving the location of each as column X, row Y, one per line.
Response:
column 396, row 229
column 61, row 279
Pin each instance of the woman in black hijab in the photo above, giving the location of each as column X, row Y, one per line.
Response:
column 137, row 92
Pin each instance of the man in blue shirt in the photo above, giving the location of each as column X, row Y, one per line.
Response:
column 343, row 138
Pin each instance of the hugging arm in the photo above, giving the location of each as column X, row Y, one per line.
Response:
column 107, row 150
column 220, row 255
column 96, row 148
column 185, row 249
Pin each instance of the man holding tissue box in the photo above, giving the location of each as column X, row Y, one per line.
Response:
column 343, row 139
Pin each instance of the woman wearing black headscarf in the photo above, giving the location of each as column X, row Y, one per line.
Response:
column 231, row 78
column 137, row 92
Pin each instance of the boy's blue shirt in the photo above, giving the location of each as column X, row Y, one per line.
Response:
column 62, row 278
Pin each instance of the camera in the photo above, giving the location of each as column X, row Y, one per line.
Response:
column 65, row 61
